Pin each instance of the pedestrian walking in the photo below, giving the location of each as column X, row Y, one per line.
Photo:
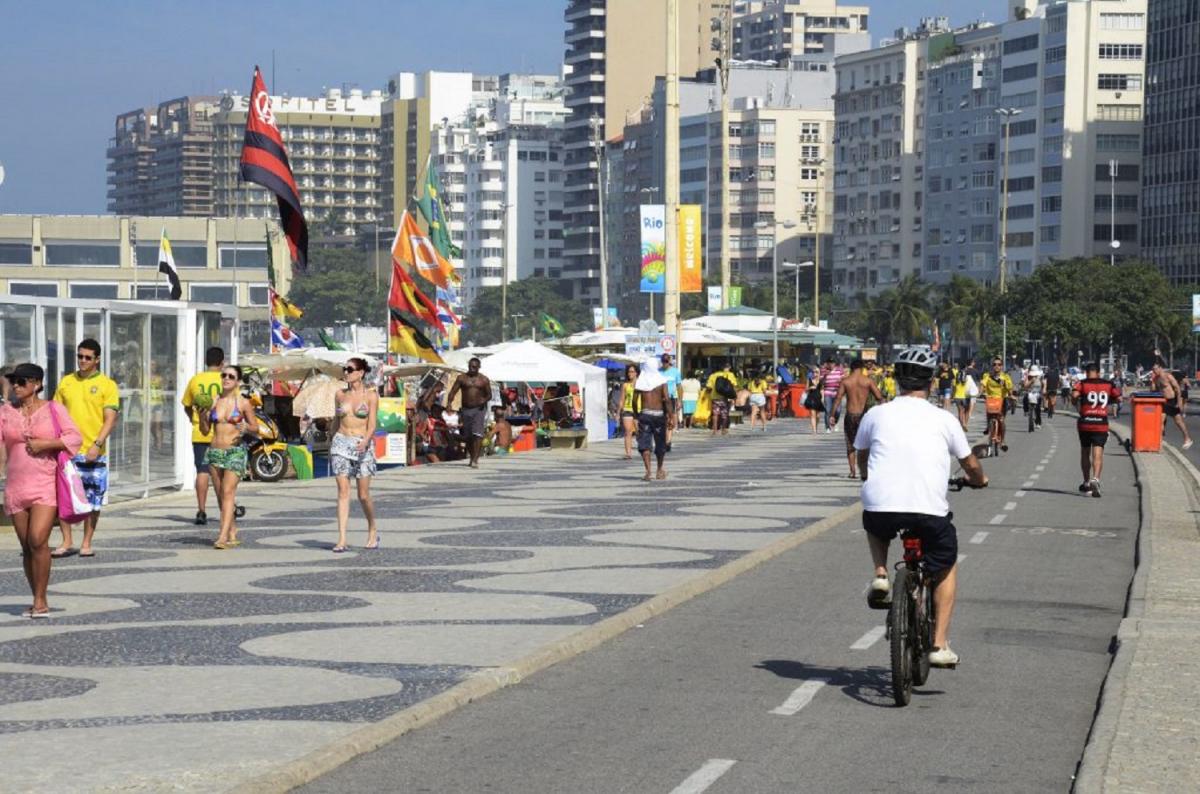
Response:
column 856, row 388
column 830, row 380
column 945, row 384
column 92, row 400
column 757, row 386
column 351, row 454
column 812, row 397
column 689, row 388
column 628, row 417
column 34, row 432
column 1092, row 397
column 204, row 387
column 227, row 420
column 674, row 379
column 1162, row 380
column 722, row 388
column 656, row 413
column 476, row 391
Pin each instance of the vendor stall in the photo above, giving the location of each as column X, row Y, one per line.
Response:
column 531, row 362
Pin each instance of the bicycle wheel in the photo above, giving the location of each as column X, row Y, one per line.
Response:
column 924, row 642
column 902, row 638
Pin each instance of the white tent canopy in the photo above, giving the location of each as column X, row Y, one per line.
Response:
column 530, row 362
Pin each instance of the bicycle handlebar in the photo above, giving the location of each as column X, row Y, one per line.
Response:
column 958, row 483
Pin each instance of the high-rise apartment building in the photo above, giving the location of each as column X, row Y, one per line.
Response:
column 1171, row 178
column 921, row 167
column 333, row 145
column 781, row 31
column 160, row 159
column 614, row 50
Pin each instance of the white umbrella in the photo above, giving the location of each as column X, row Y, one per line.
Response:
column 299, row 364
column 318, row 398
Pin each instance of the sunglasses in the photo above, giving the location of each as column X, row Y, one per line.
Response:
column 229, row 376
column 19, row 381
column 82, row 357
column 350, row 369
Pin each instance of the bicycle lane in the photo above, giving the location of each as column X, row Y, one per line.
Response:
column 779, row 681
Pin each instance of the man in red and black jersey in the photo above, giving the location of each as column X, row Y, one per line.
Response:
column 1092, row 397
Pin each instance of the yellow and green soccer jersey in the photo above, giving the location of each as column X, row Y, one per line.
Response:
column 996, row 387
column 86, row 400
column 201, row 383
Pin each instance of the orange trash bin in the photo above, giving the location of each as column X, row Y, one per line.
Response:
column 1148, row 421
column 796, row 394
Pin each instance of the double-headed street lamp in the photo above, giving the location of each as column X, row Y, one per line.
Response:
column 797, row 266
column 788, row 224
column 1007, row 114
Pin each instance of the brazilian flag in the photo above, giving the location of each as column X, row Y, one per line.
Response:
column 551, row 326
column 433, row 210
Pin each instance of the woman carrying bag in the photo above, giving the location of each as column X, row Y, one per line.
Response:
column 34, row 433
column 812, row 400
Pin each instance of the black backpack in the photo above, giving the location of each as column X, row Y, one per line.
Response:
column 724, row 388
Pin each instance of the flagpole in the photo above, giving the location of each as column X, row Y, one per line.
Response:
column 133, row 255
column 161, row 236
column 237, row 326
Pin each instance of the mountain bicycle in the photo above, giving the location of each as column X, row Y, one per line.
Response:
column 911, row 617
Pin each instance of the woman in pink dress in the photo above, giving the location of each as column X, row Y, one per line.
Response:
column 30, row 495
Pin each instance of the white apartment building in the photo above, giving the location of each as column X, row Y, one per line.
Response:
column 779, row 31
column 878, row 161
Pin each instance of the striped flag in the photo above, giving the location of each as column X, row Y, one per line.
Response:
column 406, row 297
column 166, row 265
column 265, row 162
column 417, row 249
column 405, row 338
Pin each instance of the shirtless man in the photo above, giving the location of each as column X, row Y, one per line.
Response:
column 1165, row 382
column 655, row 410
column 476, row 392
column 856, row 388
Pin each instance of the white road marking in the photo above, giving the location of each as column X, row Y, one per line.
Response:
column 961, row 557
column 870, row 638
column 1039, row 468
column 999, row 518
column 1034, row 476
column 1027, row 484
column 1010, row 505
column 1019, row 494
column 801, row 697
column 979, row 537
column 704, row 777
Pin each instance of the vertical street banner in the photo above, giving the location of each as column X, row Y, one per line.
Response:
column 714, row 299
column 654, row 248
column 735, row 296
column 598, row 323
column 691, row 249
column 1196, row 313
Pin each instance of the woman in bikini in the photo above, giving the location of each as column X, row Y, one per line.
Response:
column 628, row 417
column 230, row 417
column 351, row 455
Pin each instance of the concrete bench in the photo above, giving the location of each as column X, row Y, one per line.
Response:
column 568, row 439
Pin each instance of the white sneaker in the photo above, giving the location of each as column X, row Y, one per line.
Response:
column 943, row 657
column 879, row 593
column 1187, row 444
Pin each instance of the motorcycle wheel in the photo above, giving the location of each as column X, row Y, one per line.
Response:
column 269, row 465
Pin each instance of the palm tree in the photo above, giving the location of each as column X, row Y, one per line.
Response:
column 968, row 306
column 911, row 308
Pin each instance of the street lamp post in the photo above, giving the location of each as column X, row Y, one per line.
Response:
column 597, row 125
column 797, row 266
column 788, row 224
column 1114, row 243
column 1007, row 114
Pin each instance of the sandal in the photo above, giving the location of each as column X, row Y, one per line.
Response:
column 62, row 551
column 338, row 549
column 220, row 545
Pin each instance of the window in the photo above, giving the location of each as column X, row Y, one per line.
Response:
column 983, row 233
column 185, row 255
column 1018, row 156
column 1119, row 82
column 16, row 253
column 809, row 130
column 1021, row 211
column 810, row 152
column 1052, row 173
column 1122, row 21
column 983, row 178
column 766, row 150
column 1056, row 54
column 1023, row 72
column 1023, row 44
column 1122, row 231
column 1020, row 184
column 1056, row 23
column 36, row 289
column 1052, row 115
column 158, row 291
column 1052, row 144
column 1054, row 85
column 1050, row 234
column 1118, row 143
column 212, row 293
column 1126, row 172
column 1052, row 204
column 1125, row 203
column 95, row 254
column 258, row 295
column 983, row 208
column 1121, row 52
column 247, row 256
column 539, row 176
column 1019, row 239
column 539, row 253
column 1028, row 127
column 85, row 290
column 1024, row 100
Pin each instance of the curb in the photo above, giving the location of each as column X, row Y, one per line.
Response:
column 1093, row 765
column 309, row 767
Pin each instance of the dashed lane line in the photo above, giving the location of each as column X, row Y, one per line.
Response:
column 998, row 518
column 1039, row 468
column 870, row 638
column 1019, row 494
column 1010, row 505
column 799, row 698
column 704, row 777
column 979, row 537
column 1027, row 484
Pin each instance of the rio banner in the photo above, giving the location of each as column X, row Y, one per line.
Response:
column 654, row 249
column 691, row 247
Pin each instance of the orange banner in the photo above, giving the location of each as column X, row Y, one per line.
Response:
column 691, row 249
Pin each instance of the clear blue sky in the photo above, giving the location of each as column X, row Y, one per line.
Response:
column 68, row 67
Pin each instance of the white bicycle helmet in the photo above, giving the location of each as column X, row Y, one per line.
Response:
column 914, row 367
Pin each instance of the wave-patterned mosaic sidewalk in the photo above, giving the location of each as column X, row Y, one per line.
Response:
column 169, row 665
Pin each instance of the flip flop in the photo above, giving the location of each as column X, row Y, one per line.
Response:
column 40, row 615
column 375, row 545
column 62, row 551
column 87, row 554
column 339, row 549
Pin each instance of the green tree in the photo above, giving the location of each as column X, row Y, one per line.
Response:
column 340, row 287
column 910, row 305
column 528, row 297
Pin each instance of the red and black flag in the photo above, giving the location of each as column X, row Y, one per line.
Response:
column 265, row 162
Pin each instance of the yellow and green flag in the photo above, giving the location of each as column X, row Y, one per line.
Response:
column 433, row 210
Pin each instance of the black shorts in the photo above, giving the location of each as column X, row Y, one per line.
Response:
column 939, row 538
column 1093, row 438
column 198, row 452
column 1171, row 409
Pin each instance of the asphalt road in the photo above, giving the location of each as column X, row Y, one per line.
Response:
column 779, row 682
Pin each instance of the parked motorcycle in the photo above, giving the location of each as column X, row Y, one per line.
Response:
column 266, row 449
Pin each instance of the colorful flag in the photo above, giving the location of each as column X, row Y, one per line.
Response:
column 434, row 212
column 283, row 312
column 415, row 248
column 405, row 338
column 265, row 162
column 166, row 265
column 328, row 341
column 551, row 326
column 404, row 296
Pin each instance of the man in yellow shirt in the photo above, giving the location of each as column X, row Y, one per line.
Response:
column 202, row 389
column 722, row 387
column 997, row 388
column 92, row 400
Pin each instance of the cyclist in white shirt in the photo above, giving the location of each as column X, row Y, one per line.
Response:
column 904, row 449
